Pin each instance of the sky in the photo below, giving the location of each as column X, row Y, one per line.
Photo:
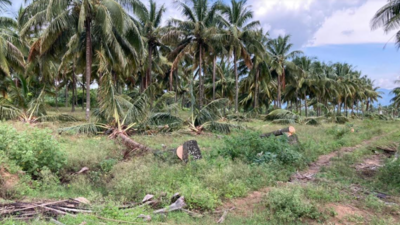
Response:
column 330, row 30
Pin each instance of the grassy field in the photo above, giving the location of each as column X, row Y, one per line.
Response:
column 230, row 169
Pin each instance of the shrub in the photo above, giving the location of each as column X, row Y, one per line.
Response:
column 13, row 184
column 389, row 175
column 249, row 147
column 289, row 204
column 338, row 132
column 32, row 150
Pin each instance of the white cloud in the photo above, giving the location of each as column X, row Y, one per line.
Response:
column 387, row 82
column 300, row 18
column 351, row 26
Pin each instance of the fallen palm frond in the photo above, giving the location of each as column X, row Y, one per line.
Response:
column 220, row 127
column 210, row 112
column 374, row 116
column 281, row 114
column 238, row 117
column 208, row 118
column 8, row 111
column 342, row 119
column 284, row 121
column 315, row 121
column 162, row 119
column 90, row 128
column 61, row 118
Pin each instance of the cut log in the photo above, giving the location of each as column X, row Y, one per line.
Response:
column 83, row 170
column 179, row 152
column 289, row 131
column 147, row 198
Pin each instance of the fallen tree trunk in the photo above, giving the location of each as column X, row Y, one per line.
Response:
column 131, row 144
column 289, row 131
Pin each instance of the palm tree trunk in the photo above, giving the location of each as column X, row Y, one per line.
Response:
column 131, row 144
column 56, row 88
column 149, row 65
column 176, row 86
column 305, row 105
column 367, row 106
column 256, row 90
column 88, row 66
column 73, row 92
column 66, row 95
column 200, row 79
column 236, row 83
column 213, row 76
column 279, row 92
column 142, row 83
column 345, row 105
column 171, row 73
column 83, row 95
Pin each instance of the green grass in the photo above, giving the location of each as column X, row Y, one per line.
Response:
column 206, row 183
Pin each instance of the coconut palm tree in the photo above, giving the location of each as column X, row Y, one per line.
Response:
column 396, row 98
column 104, row 22
column 149, row 20
column 239, row 30
column 11, row 52
column 280, row 52
column 194, row 35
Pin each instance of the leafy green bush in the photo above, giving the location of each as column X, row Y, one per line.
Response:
column 249, row 147
column 338, row 132
column 32, row 150
column 290, row 204
column 389, row 175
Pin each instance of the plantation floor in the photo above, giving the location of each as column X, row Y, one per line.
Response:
column 343, row 212
column 333, row 189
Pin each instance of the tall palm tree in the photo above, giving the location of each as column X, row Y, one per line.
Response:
column 396, row 98
column 280, row 52
column 194, row 35
column 239, row 29
column 149, row 20
column 68, row 19
column 11, row 49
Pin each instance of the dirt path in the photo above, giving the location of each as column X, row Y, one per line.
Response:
column 248, row 205
column 325, row 160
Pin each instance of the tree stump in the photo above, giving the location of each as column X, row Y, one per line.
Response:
column 183, row 152
column 191, row 148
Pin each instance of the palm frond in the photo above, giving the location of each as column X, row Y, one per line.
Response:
column 281, row 114
column 90, row 128
column 220, row 127
column 61, row 118
column 211, row 112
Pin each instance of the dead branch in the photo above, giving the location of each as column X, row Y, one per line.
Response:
column 178, row 205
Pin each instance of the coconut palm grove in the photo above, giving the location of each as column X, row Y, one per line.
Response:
column 114, row 112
